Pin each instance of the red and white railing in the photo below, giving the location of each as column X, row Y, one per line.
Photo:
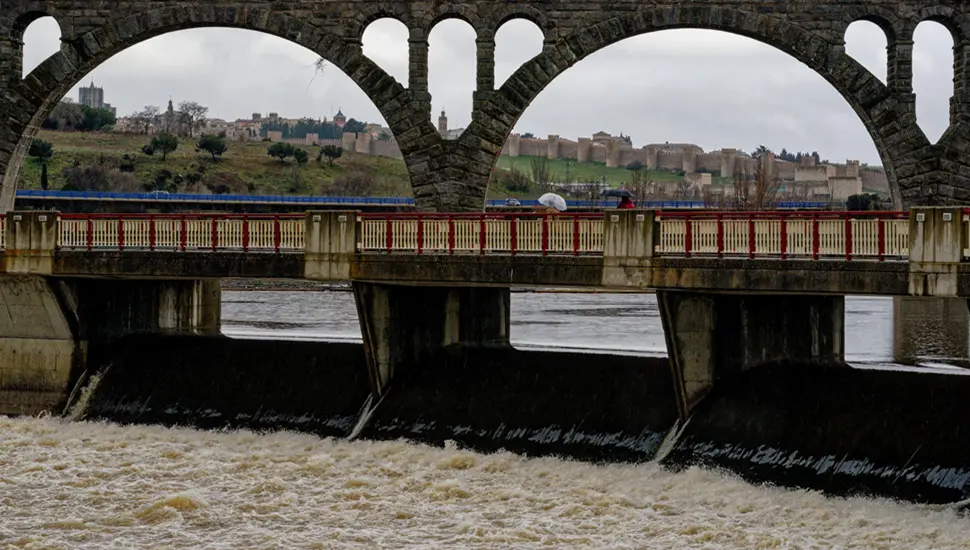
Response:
column 182, row 232
column 783, row 235
column 512, row 234
column 849, row 235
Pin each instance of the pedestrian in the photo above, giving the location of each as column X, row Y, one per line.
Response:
column 626, row 203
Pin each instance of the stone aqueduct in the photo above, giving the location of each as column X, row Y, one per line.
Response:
column 453, row 174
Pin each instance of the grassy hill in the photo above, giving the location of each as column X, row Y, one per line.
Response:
column 244, row 168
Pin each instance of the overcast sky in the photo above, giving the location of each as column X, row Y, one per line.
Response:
column 705, row 87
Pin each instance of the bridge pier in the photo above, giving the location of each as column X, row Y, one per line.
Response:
column 406, row 326
column 53, row 330
column 713, row 337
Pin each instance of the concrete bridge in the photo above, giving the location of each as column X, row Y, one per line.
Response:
column 452, row 175
column 772, row 282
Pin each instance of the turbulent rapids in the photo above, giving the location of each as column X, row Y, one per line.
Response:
column 95, row 485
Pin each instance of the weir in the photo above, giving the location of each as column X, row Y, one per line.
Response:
column 51, row 330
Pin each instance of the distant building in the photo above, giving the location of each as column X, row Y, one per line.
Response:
column 93, row 97
column 339, row 119
column 443, row 127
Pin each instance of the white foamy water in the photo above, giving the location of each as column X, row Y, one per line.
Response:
column 90, row 485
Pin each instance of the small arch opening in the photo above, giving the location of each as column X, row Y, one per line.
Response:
column 866, row 42
column 933, row 77
column 452, row 67
column 385, row 42
column 42, row 39
column 516, row 42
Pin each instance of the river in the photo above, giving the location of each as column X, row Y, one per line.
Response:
column 97, row 485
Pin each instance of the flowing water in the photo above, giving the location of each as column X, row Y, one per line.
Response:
column 96, row 485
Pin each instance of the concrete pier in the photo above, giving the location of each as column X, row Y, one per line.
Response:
column 405, row 326
column 713, row 337
column 51, row 328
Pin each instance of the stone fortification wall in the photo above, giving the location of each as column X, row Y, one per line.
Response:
column 785, row 170
column 568, row 149
column 597, row 153
column 875, row 180
column 389, row 149
column 670, row 161
column 710, row 162
column 530, row 147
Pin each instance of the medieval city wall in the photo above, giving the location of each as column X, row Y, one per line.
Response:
column 875, row 180
column 597, row 153
column 568, row 149
column 389, row 149
column 532, row 147
column 840, row 180
column 709, row 162
column 670, row 161
column 785, row 170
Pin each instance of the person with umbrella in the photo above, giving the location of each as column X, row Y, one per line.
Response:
column 626, row 198
column 551, row 203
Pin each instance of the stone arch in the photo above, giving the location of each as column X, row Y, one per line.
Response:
column 31, row 100
column 892, row 128
column 367, row 16
column 505, row 14
column 945, row 16
column 889, row 23
column 853, row 48
column 464, row 12
column 24, row 20
column 526, row 53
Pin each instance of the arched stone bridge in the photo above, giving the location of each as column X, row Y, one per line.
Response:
column 453, row 175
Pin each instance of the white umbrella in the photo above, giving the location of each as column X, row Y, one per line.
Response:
column 553, row 200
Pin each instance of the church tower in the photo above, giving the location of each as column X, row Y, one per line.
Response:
column 443, row 124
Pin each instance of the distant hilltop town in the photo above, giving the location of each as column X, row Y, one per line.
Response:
column 811, row 177
column 806, row 174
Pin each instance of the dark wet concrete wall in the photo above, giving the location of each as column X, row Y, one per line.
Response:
column 600, row 407
column 586, row 406
column 217, row 382
column 842, row 430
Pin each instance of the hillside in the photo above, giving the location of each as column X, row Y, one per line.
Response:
column 244, row 168
column 91, row 161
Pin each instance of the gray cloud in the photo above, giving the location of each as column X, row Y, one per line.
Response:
column 704, row 87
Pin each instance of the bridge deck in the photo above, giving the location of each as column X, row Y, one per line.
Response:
column 794, row 252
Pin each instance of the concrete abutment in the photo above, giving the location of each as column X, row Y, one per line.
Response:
column 52, row 329
column 714, row 337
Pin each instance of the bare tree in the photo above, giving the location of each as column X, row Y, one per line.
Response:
column 192, row 115
column 540, row 172
column 684, row 189
column 640, row 186
column 143, row 120
column 742, row 187
column 765, row 187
